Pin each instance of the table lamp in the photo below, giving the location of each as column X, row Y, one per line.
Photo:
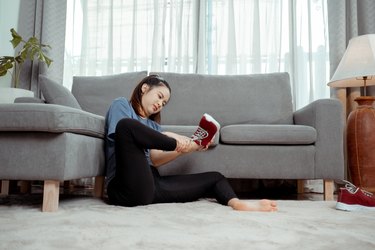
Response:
column 357, row 69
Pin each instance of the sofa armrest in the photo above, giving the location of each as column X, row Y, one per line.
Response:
column 52, row 118
column 325, row 115
column 28, row 100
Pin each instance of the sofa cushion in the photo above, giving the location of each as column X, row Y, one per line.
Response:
column 230, row 99
column 29, row 100
column 55, row 93
column 96, row 93
column 187, row 131
column 49, row 118
column 268, row 134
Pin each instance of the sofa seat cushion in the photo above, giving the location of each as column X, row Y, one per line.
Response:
column 49, row 118
column 186, row 131
column 268, row 134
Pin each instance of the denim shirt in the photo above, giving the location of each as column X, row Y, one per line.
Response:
column 119, row 109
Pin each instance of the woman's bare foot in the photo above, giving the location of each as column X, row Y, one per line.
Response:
column 261, row 206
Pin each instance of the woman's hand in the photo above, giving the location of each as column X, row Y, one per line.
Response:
column 207, row 146
column 184, row 143
column 192, row 146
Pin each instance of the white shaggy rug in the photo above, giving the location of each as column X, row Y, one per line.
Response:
column 87, row 223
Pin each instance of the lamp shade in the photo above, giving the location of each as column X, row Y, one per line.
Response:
column 358, row 61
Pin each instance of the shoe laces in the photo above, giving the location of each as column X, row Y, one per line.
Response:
column 201, row 133
column 367, row 193
column 352, row 188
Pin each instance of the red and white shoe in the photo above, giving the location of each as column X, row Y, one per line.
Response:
column 352, row 198
column 206, row 131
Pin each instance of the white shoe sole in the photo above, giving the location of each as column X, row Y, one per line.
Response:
column 211, row 119
column 347, row 207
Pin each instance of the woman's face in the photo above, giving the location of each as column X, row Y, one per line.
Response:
column 154, row 99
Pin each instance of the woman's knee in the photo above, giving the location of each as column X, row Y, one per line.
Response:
column 216, row 175
column 126, row 128
column 125, row 123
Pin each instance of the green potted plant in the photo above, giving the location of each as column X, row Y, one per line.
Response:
column 31, row 50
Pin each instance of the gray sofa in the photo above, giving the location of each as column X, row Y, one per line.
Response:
column 261, row 137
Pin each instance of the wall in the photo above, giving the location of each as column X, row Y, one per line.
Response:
column 8, row 19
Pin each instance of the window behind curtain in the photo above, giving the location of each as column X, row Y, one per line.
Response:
column 207, row 36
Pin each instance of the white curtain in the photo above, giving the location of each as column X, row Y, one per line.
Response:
column 207, row 36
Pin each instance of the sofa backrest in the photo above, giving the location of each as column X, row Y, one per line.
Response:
column 231, row 99
column 96, row 93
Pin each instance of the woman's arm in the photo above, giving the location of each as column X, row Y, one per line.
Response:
column 159, row 157
column 184, row 145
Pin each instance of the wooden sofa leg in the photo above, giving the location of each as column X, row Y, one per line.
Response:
column 25, row 186
column 99, row 186
column 51, row 196
column 300, row 186
column 4, row 187
column 328, row 190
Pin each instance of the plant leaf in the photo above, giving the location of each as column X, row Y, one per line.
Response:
column 33, row 52
column 6, row 63
column 24, row 53
column 16, row 38
column 3, row 72
column 4, row 59
column 33, row 40
column 46, row 46
column 48, row 60
column 19, row 59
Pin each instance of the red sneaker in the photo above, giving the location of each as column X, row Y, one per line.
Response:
column 206, row 131
column 352, row 198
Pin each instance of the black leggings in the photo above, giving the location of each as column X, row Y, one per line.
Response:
column 138, row 183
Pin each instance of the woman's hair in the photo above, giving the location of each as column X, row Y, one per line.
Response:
column 136, row 99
